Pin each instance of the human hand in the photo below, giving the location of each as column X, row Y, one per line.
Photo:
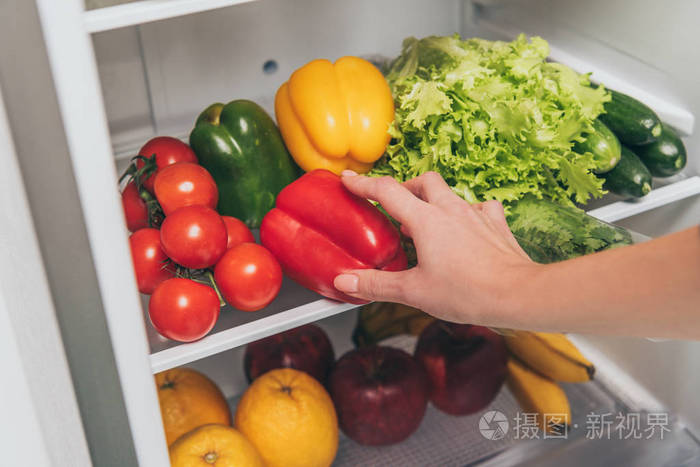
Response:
column 470, row 266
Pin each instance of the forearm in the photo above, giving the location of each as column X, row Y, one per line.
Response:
column 472, row 270
column 650, row 289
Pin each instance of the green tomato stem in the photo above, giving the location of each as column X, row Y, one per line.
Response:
column 210, row 276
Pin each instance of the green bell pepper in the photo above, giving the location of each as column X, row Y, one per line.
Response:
column 240, row 145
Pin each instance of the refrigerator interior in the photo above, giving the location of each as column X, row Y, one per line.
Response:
column 444, row 440
column 156, row 77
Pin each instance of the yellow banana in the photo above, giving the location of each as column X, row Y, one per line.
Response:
column 378, row 321
column 540, row 396
column 550, row 354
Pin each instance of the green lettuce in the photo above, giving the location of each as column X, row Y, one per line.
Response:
column 495, row 119
column 549, row 232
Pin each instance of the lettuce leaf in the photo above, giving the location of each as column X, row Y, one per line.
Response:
column 549, row 232
column 494, row 118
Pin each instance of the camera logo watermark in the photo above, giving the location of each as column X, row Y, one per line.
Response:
column 493, row 425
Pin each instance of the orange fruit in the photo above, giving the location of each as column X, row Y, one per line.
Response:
column 189, row 399
column 289, row 417
column 214, row 446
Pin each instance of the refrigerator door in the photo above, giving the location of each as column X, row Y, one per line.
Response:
column 48, row 140
column 40, row 418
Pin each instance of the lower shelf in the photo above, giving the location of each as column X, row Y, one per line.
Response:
column 446, row 441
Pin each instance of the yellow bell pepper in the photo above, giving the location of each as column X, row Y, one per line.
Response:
column 335, row 116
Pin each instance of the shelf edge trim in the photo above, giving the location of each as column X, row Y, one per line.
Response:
column 245, row 333
column 147, row 11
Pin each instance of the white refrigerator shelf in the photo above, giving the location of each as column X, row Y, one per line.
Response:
column 296, row 306
column 449, row 441
column 656, row 198
column 443, row 440
column 146, row 11
column 293, row 307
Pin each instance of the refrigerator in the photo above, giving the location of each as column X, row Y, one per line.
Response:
column 84, row 83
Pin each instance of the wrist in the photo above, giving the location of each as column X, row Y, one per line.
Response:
column 527, row 296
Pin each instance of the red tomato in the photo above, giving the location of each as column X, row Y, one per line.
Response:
column 183, row 310
column 248, row 276
column 168, row 151
column 135, row 209
column 185, row 184
column 237, row 232
column 149, row 260
column 194, row 236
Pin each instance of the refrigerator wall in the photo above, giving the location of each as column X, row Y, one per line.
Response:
column 159, row 76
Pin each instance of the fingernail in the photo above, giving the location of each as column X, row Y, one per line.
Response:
column 346, row 283
column 348, row 173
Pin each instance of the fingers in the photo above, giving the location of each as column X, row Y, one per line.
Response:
column 431, row 188
column 375, row 285
column 493, row 211
column 400, row 203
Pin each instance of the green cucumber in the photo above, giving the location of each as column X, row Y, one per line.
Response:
column 630, row 177
column 604, row 146
column 666, row 156
column 632, row 122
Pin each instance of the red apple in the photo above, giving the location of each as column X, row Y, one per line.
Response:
column 466, row 365
column 306, row 348
column 380, row 394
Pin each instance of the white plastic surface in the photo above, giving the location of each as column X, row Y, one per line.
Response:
column 146, row 11
column 22, row 411
column 455, row 441
column 218, row 56
column 633, row 394
column 656, row 198
column 292, row 308
column 36, row 382
column 81, row 105
column 245, row 333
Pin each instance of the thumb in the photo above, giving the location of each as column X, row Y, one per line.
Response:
column 374, row 285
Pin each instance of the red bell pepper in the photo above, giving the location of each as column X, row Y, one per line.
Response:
column 318, row 229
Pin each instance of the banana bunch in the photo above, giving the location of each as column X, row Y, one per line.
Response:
column 550, row 354
column 380, row 320
column 538, row 395
column 539, row 361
